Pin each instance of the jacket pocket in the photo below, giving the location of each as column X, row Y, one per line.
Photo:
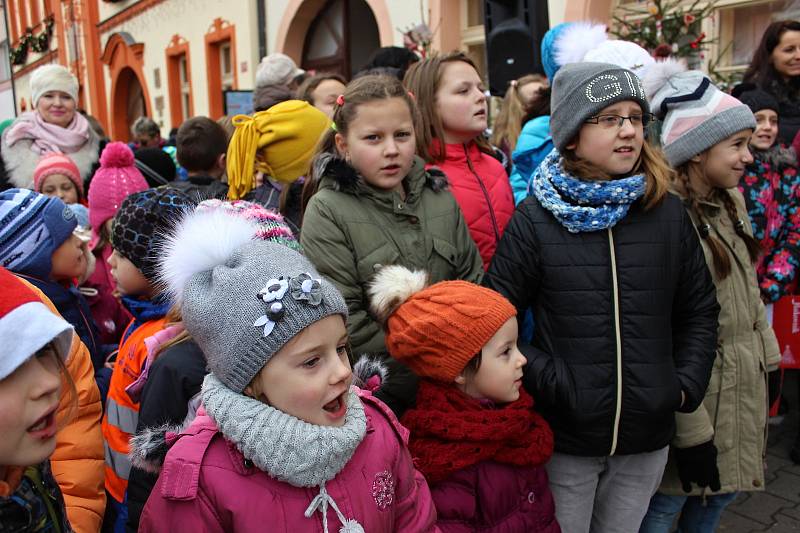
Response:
column 720, row 400
column 445, row 251
column 368, row 266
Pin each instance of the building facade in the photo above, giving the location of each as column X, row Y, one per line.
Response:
column 172, row 59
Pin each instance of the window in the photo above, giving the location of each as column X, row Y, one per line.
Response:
column 179, row 81
column 221, row 71
column 741, row 27
column 186, row 87
column 226, row 66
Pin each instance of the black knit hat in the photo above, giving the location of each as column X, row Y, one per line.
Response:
column 755, row 98
column 156, row 166
column 141, row 223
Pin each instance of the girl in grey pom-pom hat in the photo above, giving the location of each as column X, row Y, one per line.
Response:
column 282, row 441
column 622, row 300
column 718, row 449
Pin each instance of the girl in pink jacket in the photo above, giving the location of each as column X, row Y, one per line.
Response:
column 283, row 441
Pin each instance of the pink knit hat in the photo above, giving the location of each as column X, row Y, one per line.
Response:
column 50, row 164
column 116, row 178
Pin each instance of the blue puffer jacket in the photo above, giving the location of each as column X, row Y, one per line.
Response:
column 533, row 145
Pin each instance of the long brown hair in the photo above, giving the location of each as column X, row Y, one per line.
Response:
column 359, row 91
column 693, row 171
column 761, row 70
column 513, row 112
column 174, row 318
column 423, row 80
column 651, row 163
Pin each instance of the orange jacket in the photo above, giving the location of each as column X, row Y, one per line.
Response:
column 122, row 413
column 77, row 462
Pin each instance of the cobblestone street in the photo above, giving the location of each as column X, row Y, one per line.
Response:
column 776, row 510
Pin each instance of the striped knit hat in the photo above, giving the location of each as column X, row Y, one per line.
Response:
column 695, row 114
column 32, row 226
column 270, row 225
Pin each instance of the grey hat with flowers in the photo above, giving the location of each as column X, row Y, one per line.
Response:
column 242, row 299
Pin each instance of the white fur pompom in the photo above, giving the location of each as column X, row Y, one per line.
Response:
column 200, row 242
column 392, row 286
column 659, row 74
column 576, row 40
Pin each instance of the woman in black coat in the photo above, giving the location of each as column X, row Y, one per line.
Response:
column 775, row 68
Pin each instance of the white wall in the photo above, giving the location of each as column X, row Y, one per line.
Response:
column 191, row 20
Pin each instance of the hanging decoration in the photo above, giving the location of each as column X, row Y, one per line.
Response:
column 29, row 42
column 672, row 29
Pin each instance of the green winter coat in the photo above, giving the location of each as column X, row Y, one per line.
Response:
column 734, row 411
column 350, row 230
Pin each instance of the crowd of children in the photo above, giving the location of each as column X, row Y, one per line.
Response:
column 338, row 321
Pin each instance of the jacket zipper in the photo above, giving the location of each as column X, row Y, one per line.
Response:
column 618, row 336
column 485, row 194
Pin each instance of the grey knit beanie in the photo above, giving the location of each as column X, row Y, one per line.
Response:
column 695, row 114
column 580, row 90
column 241, row 299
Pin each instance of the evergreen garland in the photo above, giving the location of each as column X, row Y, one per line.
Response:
column 30, row 42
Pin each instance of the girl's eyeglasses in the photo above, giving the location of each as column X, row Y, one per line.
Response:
column 610, row 121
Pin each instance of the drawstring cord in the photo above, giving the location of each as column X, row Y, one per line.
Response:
column 320, row 503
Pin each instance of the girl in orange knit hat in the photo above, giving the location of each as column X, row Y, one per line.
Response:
column 474, row 434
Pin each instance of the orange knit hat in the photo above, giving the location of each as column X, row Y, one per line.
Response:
column 435, row 330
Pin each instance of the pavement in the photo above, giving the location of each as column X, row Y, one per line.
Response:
column 777, row 509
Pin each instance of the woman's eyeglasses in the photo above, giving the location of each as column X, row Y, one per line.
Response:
column 610, row 121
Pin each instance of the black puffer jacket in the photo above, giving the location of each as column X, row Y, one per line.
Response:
column 625, row 319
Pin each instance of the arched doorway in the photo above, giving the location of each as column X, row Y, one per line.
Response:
column 129, row 96
column 310, row 25
column 342, row 37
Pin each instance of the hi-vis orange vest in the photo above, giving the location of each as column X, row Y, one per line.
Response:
column 122, row 414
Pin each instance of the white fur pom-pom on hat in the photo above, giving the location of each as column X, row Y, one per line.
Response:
column 659, row 74
column 392, row 286
column 201, row 241
column 577, row 40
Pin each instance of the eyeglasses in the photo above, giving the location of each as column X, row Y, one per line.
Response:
column 609, row 121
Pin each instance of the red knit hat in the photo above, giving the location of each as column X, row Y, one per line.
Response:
column 27, row 325
column 51, row 164
column 435, row 330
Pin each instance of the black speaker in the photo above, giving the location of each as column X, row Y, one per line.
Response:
column 514, row 31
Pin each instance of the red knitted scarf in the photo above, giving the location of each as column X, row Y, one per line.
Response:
column 451, row 431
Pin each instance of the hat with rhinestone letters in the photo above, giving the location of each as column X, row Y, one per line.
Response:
column 580, row 90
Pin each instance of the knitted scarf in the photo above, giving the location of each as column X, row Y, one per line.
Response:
column 451, row 431
column 286, row 448
column 49, row 137
column 581, row 205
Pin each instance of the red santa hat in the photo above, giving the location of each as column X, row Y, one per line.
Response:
column 27, row 325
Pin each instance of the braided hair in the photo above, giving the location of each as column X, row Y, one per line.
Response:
column 720, row 257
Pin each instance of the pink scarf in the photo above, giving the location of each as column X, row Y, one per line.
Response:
column 48, row 137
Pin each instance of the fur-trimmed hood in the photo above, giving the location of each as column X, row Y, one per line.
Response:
column 336, row 173
column 777, row 157
column 20, row 161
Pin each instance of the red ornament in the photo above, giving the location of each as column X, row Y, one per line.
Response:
column 688, row 19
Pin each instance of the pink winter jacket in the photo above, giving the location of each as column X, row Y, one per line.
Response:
column 205, row 485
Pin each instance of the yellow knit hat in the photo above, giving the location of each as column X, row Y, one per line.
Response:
column 286, row 133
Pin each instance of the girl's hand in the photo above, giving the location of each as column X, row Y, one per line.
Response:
column 683, row 398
